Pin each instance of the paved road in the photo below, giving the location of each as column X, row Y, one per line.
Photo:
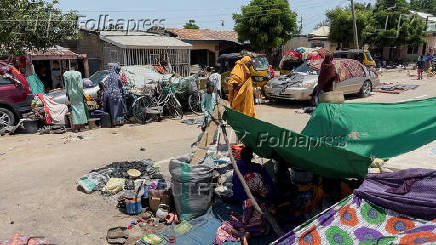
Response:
column 39, row 172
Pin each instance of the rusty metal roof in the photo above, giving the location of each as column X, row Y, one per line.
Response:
column 205, row 35
column 56, row 52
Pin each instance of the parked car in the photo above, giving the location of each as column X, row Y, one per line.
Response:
column 363, row 56
column 261, row 71
column 15, row 95
column 135, row 75
column 302, row 82
column 59, row 95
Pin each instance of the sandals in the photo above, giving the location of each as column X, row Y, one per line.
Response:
column 170, row 218
column 117, row 235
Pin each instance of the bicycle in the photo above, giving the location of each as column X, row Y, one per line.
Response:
column 196, row 94
column 151, row 104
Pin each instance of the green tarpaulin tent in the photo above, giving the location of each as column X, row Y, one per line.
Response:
column 376, row 129
column 312, row 154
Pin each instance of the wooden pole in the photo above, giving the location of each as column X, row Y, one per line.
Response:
column 250, row 196
column 356, row 38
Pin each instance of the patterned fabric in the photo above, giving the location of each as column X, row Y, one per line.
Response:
column 19, row 239
column 255, row 183
column 345, row 68
column 356, row 221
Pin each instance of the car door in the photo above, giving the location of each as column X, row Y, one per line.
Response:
column 11, row 93
column 344, row 83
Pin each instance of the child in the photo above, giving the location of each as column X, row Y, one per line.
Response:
column 208, row 103
column 420, row 64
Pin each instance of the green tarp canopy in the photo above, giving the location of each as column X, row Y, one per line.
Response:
column 376, row 129
column 300, row 151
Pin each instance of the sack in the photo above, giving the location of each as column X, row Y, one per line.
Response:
column 334, row 97
column 410, row 191
column 158, row 197
column 191, row 186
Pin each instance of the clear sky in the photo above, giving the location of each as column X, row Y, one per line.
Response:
column 209, row 14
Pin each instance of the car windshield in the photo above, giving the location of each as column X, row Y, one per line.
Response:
column 368, row 56
column 97, row 77
column 260, row 63
column 305, row 68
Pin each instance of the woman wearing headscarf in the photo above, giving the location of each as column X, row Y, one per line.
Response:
column 113, row 95
column 327, row 76
column 241, row 88
column 75, row 95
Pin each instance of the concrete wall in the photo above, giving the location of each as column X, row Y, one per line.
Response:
column 304, row 41
column 296, row 42
column 213, row 47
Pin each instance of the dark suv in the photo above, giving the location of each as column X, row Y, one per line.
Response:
column 15, row 95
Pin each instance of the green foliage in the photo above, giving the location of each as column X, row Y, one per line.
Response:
column 266, row 24
column 191, row 25
column 426, row 6
column 34, row 25
column 373, row 28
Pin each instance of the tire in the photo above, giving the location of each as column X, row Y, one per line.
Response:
column 366, row 89
column 194, row 102
column 312, row 101
column 174, row 108
column 138, row 110
column 7, row 118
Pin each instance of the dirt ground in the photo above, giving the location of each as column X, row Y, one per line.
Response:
column 39, row 172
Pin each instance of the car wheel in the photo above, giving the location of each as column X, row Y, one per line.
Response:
column 312, row 98
column 7, row 118
column 366, row 89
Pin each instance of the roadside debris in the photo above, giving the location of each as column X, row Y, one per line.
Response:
column 392, row 88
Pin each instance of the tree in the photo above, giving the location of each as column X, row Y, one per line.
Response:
column 34, row 25
column 191, row 25
column 266, row 24
column 427, row 6
column 388, row 24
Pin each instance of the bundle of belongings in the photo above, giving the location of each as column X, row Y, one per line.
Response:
column 391, row 88
column 44, row 108
column 389, row 208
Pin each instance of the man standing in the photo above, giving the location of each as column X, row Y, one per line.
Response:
column 241, row 88
column 215, row 79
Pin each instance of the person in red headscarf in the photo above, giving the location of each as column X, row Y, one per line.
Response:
column 327, row 76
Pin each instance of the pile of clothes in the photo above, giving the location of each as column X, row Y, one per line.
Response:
column 391, row 88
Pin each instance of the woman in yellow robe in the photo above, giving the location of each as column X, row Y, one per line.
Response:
column 241, row 88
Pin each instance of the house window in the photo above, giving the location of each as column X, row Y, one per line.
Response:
column 412, row 49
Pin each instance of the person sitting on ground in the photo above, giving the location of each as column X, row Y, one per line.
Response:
column 251, row 223
column 246, row 166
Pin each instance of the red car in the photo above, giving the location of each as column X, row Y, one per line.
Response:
column 15, row 95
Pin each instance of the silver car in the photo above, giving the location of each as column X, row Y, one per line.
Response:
column 302, row 82
column 59, row 95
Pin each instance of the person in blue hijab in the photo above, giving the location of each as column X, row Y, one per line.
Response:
column 113, row 102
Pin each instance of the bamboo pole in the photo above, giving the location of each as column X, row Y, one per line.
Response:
column 250, row 196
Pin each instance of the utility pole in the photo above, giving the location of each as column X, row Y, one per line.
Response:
column 356, row 38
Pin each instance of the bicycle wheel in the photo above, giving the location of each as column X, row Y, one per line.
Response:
column 194, row 102
column 139, row 110
column 174, row 108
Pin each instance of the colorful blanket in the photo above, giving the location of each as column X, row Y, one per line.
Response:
column 356, row 221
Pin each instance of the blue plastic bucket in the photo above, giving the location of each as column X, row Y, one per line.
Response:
column 133, row 206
